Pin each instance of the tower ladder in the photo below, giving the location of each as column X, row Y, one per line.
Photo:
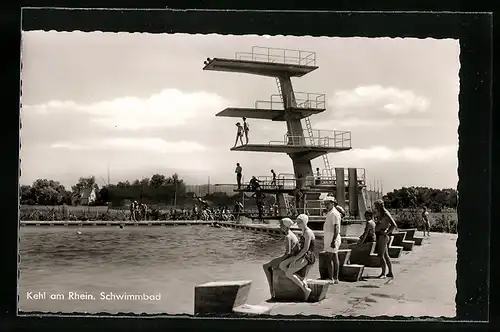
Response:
column 288, row 208
column 311, row 139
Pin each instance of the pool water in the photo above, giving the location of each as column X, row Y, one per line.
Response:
column 155, row 260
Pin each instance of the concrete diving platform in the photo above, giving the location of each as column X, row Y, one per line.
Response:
column 268, row 114
column 309, row 151
column 266, row 61
column 311, row 146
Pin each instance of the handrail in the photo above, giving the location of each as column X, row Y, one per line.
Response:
column 314, row 180
column 360, row 173
column 280, row 55
column 305, row 100
column 265, row 182
column 302, row 140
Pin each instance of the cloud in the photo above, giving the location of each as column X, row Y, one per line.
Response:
column 409, row 154
column 169, row 108
column 151, row 144
column 375, row 97
column 348, row 123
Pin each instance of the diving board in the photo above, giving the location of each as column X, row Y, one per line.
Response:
column 289, row 148
column 268, row 114
column 263, row 68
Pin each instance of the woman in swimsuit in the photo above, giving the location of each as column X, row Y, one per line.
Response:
column 305, row 258
column 291, row 249
column 239, row 134
column 383, row 229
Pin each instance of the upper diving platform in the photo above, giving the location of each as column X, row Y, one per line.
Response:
column 305, row 104
column 266, row 61
column 310, row 147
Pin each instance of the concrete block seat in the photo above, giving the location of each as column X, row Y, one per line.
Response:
column 400, row 239
column 348, row 272
column 394, row 250
column 287, row 290
column 410, row 236
column 365, row 254
column 220, row 297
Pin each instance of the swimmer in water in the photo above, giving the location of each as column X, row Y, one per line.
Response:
column 383, row 230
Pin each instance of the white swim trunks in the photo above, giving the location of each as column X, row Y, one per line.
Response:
column 327, row 241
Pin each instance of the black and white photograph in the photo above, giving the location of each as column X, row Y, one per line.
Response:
column 254, row 175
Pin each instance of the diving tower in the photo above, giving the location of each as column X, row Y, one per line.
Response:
column 293, row 108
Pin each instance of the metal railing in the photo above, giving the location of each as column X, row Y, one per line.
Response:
column 339, row 140
column 278, row 55
column 323, row 180
column 305, row 100
column 331, row 180
column 283, row 182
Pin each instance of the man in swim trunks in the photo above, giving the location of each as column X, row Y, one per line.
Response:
column 331, row 237
column 383, row 229
column 133, row 211
column 291, row 249
column 317, row 181
column 273, row 181
column 425, row 218
column 369, row 233
column 246, row 129
column 238, row 171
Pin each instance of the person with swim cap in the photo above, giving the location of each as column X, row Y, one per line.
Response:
column 331, row 237
column 305, row 258
column 291, row 249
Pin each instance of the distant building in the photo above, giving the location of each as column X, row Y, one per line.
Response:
column 86, row 196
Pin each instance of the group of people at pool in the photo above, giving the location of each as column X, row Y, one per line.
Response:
column 300, row 251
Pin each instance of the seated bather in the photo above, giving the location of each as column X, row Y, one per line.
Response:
column 305, row 258
column 369, row 233
column 291, row 249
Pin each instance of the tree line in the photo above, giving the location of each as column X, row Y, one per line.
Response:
column 161, row 189
column 157, row 189
column 414, row 197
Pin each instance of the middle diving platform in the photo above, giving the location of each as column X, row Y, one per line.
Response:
column 305, row 104
column 309, row 146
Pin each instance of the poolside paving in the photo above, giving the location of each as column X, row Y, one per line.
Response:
column 424, row 285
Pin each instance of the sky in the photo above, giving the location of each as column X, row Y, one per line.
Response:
column 141, row 104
